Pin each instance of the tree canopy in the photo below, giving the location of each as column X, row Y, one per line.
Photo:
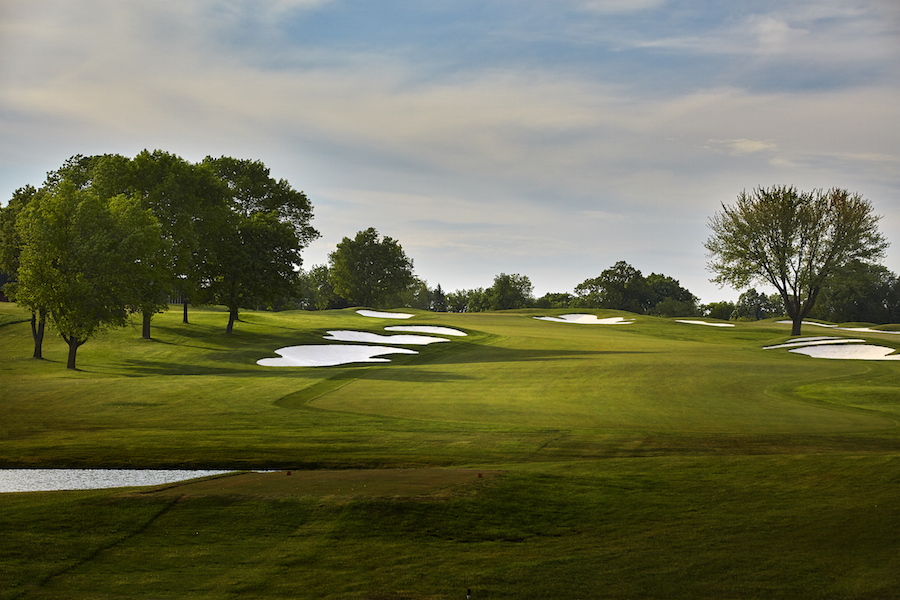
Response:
column 791, row 240
column 369, row 270
column 107, row 236
column 622, row 287
column 859, row 292
column 82, row 260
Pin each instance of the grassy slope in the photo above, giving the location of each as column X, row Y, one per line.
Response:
column 650, row 460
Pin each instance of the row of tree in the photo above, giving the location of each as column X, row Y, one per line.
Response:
column 107, row 236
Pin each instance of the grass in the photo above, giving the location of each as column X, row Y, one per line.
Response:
column 654, row 460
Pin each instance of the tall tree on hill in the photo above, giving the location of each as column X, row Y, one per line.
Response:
column 252, row 190
column 510, row 291
column 10, row 252
column 81, row 259
column 191, row 203
column 793, row 241
column 670, row 299
column 257, row 264
column 369, row 270
column 621, row 287
column 258, row 255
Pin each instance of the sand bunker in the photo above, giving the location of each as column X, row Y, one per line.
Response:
column 383, row 315
column 689, row 322
column 328, row 356
column 848, row 352
column 427, row 329
column 375, row 338
column 587, row 320
column 837, row 348
column 854, row 329
column 814, row 342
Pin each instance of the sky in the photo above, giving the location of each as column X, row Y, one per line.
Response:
column 546, row 138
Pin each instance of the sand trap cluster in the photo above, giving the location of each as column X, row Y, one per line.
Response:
column 322, row 355
column 377, row 314
column 587, row 320
column 690, row 322
column 376, row 338
column 837, row 348
column 854, row 329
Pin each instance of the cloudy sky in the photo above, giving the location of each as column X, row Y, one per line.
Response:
column 549, row 138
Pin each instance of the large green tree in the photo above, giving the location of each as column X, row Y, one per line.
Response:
column 670, row 299
column 369, row 270
column 859, row 292
column 791, row 240
column 10, row 251
column 620, row 287
column 258, row 250
column 754, row 306
column 82, row 259
column 192, row 204
column 510, row 291
column 257, row 264
column 252, row 190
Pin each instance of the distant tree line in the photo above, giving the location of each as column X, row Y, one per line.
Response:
column 856, row 292
column 621, row 287
column 107, row 236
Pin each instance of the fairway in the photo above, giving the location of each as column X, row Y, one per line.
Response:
column 656, row 459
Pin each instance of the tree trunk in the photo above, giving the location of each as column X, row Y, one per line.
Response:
column 37, row 332
column 232, row 317
column 147, row 315
column 74, row 343
column 184, row 303
column 795, row 327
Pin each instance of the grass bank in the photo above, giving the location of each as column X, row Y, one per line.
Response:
column 656, row 460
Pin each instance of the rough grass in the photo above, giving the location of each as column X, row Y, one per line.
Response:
column 654, row 460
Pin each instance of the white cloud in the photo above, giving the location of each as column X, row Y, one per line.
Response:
column 619, row 6
column 477, row 171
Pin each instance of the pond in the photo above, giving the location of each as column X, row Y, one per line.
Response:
column 47, row 480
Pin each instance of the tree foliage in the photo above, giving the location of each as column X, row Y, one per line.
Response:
column 622, row 287
column 791, row 240
column 11, row 244
column 82, row 260
column 106, row 236
column 369, row 270
column 753, row 306
column 260, row 239
column 859, row 292
column 257, row 264
column 509, row 292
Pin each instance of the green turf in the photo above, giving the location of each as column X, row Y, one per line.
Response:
column 653, row 460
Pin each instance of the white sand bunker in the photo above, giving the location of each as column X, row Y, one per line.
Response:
column 814, row 341
column 383, row 315
column 837, row 348
column 375, row 338
column 855, row 329
column 690, row 322
column 587, row 320
column 328, row 356
column 427, row 329
column 849, row 352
